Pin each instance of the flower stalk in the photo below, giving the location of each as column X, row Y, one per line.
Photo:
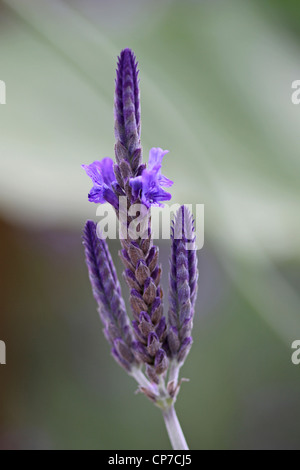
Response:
column 175, row 433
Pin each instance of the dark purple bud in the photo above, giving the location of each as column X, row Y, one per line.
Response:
column 121, row 152
column 145, row 245
column 153, row 344
column 161, row 330
column 142, row 271
column 137, row 333
column 152, row 258
column 141, row 168
column 135, row 254
column 118, row 175
column 150, row 371
column 184, row 349
column 123, row 350
column 125, row 170
column 126, row 365
column 145, row 325
column 156, row 311
column 173, row 340
column 117, row 189
column 126, row 260
column 185, row 312
column 136, row 160
column 149, row 291
column 161, row 362
column 156, row 274
column 186, row 327
column 183, row 292
column 131, row 280
column 141, row 353
column 137, row 303
column 112, row 332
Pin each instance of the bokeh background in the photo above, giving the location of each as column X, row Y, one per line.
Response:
column 216, row 91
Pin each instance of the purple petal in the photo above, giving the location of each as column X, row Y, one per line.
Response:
column 156, row 155
column 96, row 195
column 165, row 182
column 136, row 184
column 106, row 167
column 103, row 177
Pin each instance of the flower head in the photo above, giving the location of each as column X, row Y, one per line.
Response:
column 183, row 284
column 107, row 292
column 149, row 185
column 103, row 177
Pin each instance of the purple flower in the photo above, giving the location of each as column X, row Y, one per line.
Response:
column 103, row 177
column 149, row 185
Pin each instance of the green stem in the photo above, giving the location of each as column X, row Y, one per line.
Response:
column 174, row 429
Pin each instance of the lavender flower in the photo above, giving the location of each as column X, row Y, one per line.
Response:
column 104, row 180
column 107, row 292
column 183, row 285
column 148, row 186
column 149, row 342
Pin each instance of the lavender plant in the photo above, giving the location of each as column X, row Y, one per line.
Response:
column 150, row 348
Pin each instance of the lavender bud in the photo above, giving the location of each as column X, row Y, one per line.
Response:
column 149, row 291
column 156, row 311
column 156, row 274
column 126, row 365
column 183, row 285
column 152, row 258
column 137, row 332
column 137, row 303
column 123, row 350
column 135, row 254
column 136, row 160
column 141, row 353
column 173, row 340
column 145, row 325
column 126, row 260
column 127, row 111
column 186, row 327
column 142, row 271
column 141, row 168
column 161, row 330
column 121, row 152
column 150, row 371
column 131, row 280
column 153, row 344
column 161, row 362
column 145, row 245
column 184, row 349
column 107, row 292
column 125, row 170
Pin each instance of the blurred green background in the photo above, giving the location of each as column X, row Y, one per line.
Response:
column 216, row 91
